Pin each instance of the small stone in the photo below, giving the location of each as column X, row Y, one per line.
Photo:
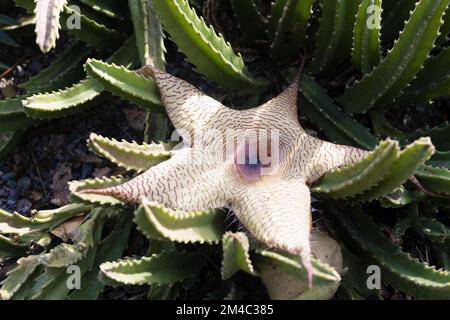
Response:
column 12, row 193
column 7, row 88
column 19, row 70
column 61, row 176
column 35, row 195
column 11, row 184
column 23, row 185
column 24, row 206
column 11, row 202
column 101, row 172
column 8, row 176
column 89, row 158
column 135, row 118
column 86, row 170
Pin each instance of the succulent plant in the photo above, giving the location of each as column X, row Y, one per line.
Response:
column 363, row 58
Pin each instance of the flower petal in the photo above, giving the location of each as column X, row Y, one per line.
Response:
column 277, row 213
column 314, row 157
column 189, row 109
column 188, row 181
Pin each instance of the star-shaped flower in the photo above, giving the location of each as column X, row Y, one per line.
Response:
column 262, row 173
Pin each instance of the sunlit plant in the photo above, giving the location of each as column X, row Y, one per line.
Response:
column 363, row 59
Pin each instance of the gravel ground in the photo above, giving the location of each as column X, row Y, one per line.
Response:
column 36, row 173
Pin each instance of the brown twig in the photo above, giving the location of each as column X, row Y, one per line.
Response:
column 38, row 172
column 421, row 188
column 7, row 71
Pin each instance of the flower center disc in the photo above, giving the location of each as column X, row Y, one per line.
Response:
column 253, row 161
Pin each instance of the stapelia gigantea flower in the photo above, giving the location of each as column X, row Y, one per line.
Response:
column 262, row 174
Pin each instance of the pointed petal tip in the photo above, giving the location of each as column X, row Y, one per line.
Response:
column 306, row 262
column 299, row 71
column 304, row 252
column 116, row 192
column 310, row 278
